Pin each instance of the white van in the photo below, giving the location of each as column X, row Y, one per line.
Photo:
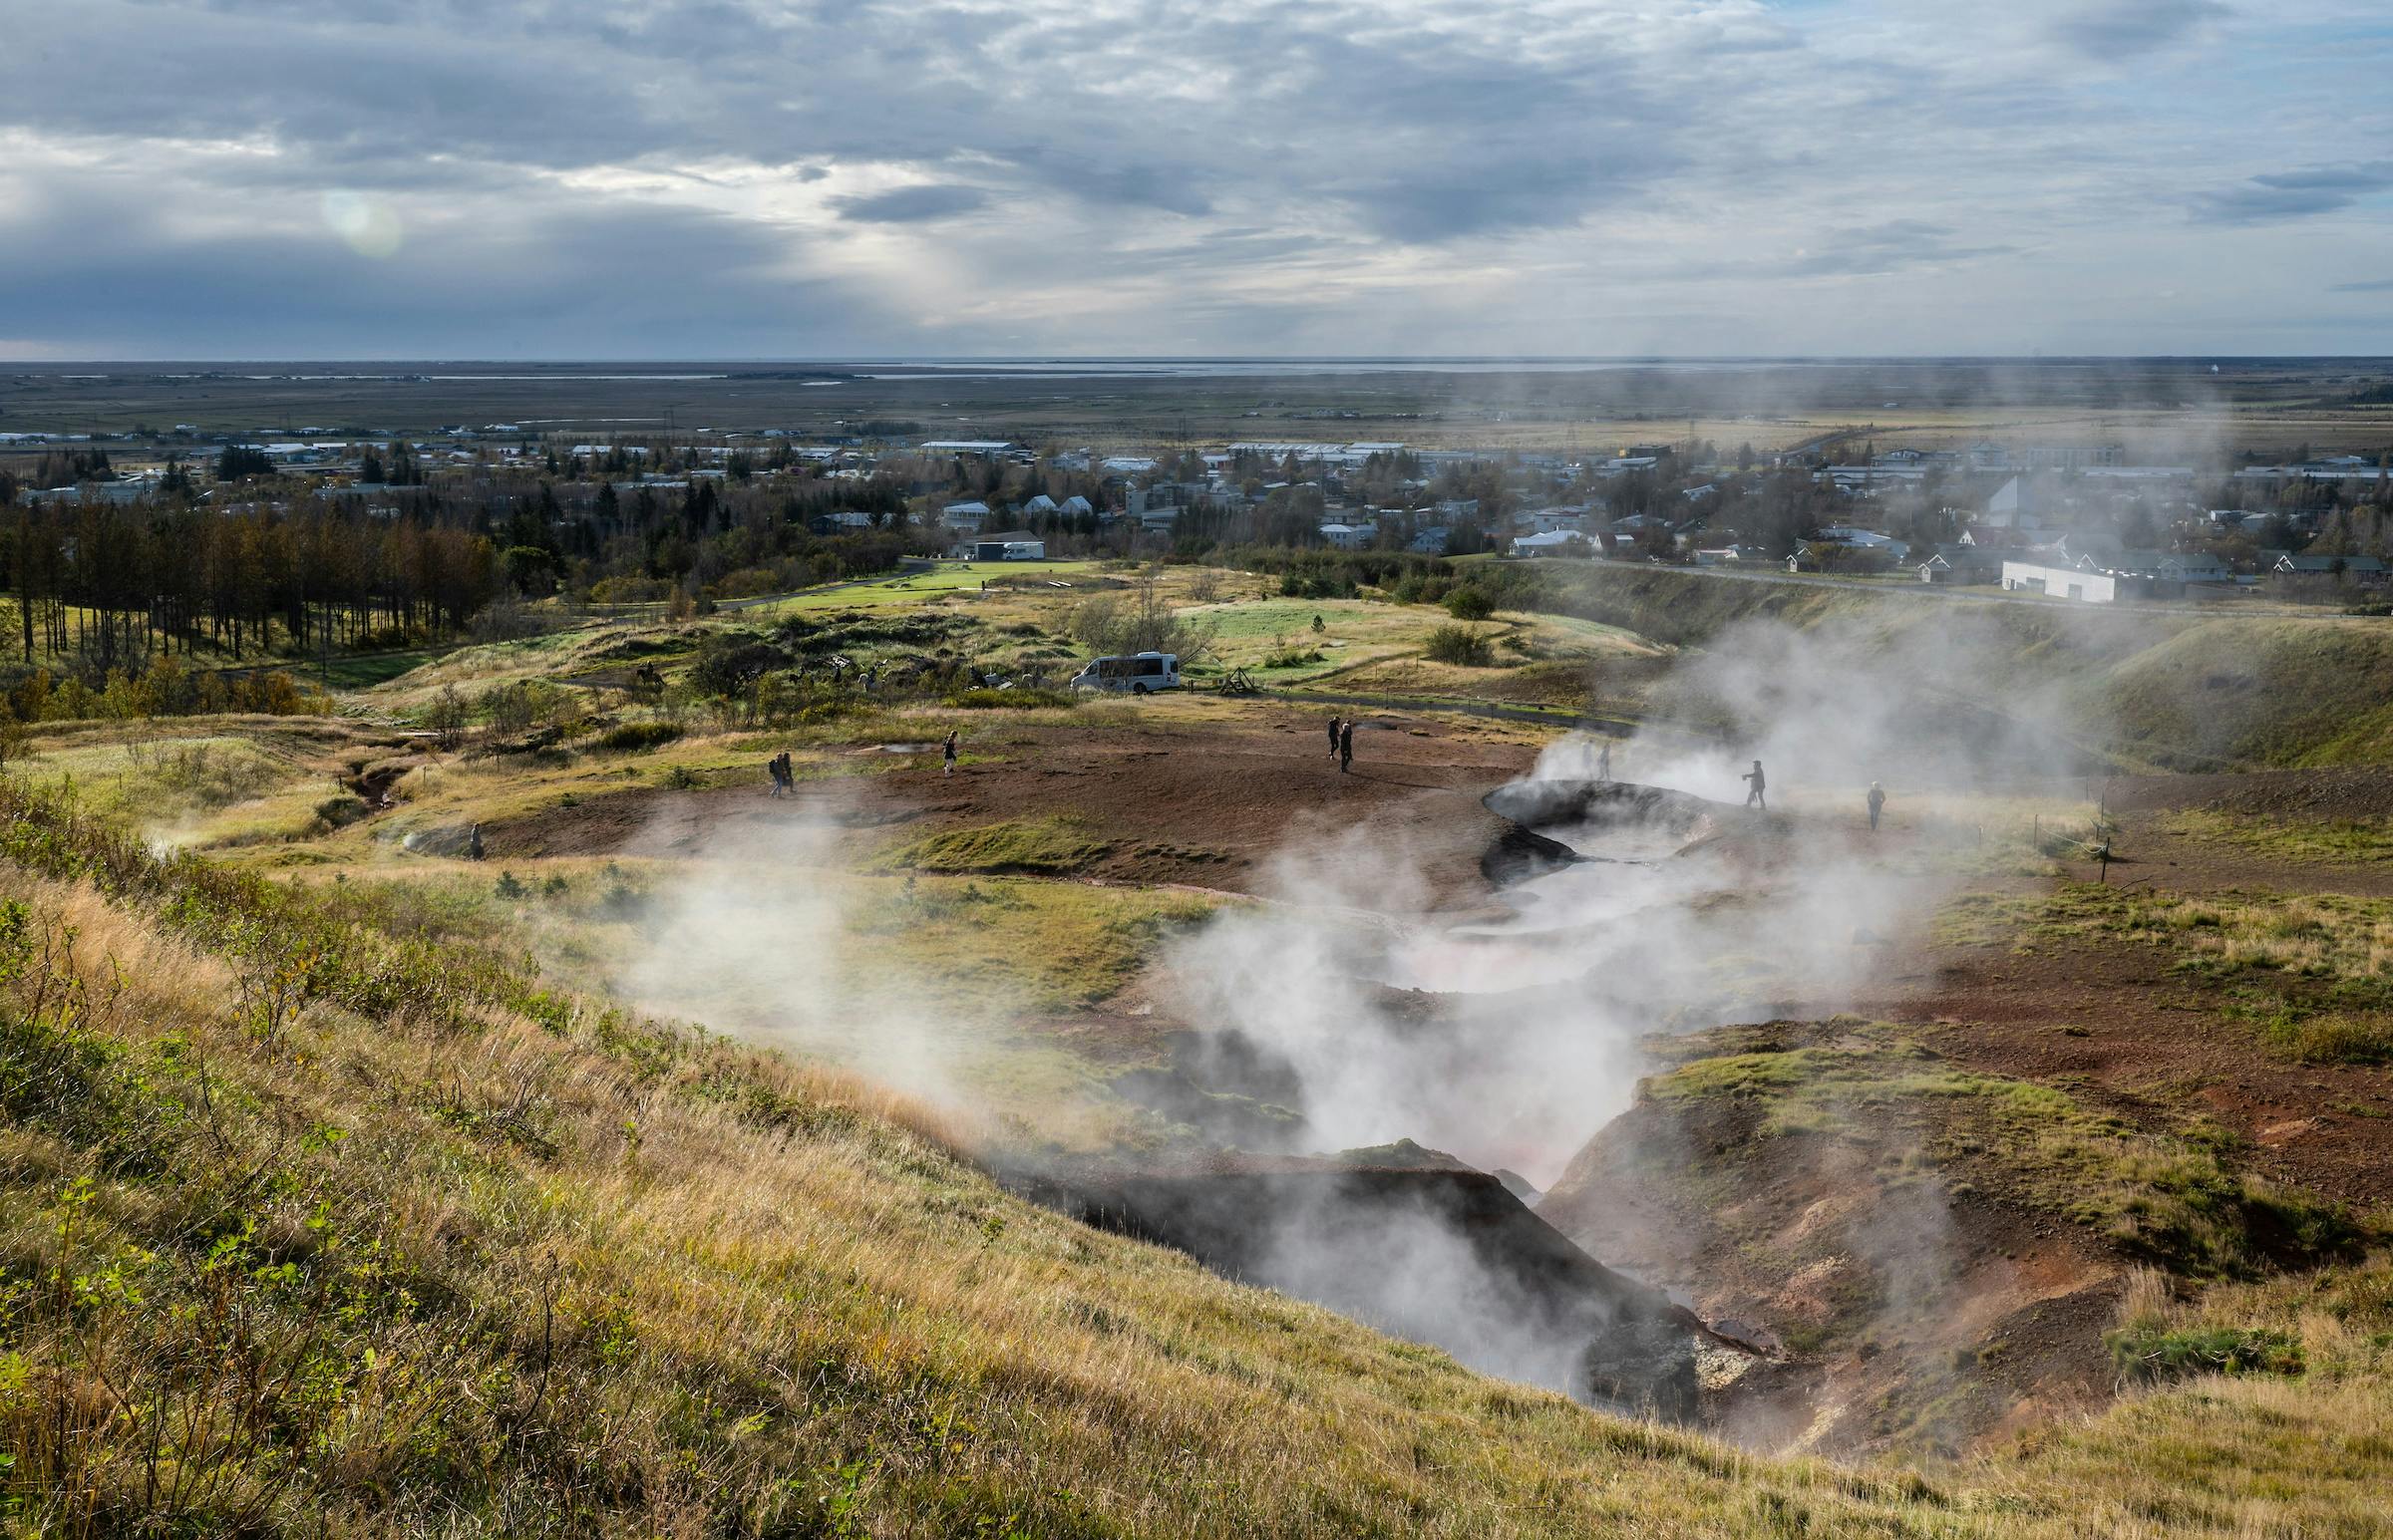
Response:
column 1138, row 674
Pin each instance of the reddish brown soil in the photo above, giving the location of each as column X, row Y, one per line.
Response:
column 1208, row 808
column 2133, row 1038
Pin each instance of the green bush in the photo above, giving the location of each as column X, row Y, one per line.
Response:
column 640, row 735
column 1470, row 604
column 1460, row 644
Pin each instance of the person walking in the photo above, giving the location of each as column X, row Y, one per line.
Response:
column 1333, row 736
column 1877, row 802
column 1754, row 798
column 1346, row 749
column 948, row 751
column 1603, row 762
column 474, row 844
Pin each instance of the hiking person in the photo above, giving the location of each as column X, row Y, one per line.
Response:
column 1754, row 798
column 1345, row 748
column 1603, row 763
column 474, row 844
column 948, row 751
column 1878, row 800
column 1333, row 736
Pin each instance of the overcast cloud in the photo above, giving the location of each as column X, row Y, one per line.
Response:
column 571, row 178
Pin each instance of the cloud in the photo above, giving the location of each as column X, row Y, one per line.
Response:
column 910, row 205
column 2295, row 195
column 2115, row 28
column 2371, row 286
column 1479, row 175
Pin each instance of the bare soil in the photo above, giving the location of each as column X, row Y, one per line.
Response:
column 1174, row 806
column 2130, row 1036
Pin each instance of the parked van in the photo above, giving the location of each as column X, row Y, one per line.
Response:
column 1138, row 674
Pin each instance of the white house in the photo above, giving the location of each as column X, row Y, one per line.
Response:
column 1554, row 542
column 1350, row 537
column 2060, row 582
column 964, row 516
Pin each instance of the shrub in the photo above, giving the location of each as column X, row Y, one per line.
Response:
column 1460, row 644
column 1470, row 604
column 338, row 811
column 640, row 735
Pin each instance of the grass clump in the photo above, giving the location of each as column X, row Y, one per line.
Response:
column 1045, row 846
column 2332, row 1038
column 638, row 734
column 2155, row 1353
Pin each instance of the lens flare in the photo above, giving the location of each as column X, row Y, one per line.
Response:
column 367, row 223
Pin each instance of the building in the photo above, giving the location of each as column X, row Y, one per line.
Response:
column 1554, row 542
column 985, row 449
column 1350, row 537
column 2060, row 582
column 1960, row 563
column 1010, row 545
column 964, row 518
column 2369, row 570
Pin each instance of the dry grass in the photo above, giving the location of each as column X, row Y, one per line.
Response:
column 568, row 1273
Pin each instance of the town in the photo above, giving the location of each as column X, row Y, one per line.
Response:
column 628, row 516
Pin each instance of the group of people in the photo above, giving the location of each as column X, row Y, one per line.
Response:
column 1341, row 744
column 1757, row 796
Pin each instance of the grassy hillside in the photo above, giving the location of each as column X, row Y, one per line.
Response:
column 313, row 1224
column 2169, row 690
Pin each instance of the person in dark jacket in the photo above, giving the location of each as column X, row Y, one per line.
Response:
column 948, row 751
column 1334, row 724
column 1878, row 801
column 1754, row 798
column 1345, row 748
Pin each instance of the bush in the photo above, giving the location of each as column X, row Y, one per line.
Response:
column 1460, row 644
column 1470, row 604
column 638, row 734
column 1016, row 700
column 338, row 811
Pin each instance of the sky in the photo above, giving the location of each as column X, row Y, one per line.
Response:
column 846, row 178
